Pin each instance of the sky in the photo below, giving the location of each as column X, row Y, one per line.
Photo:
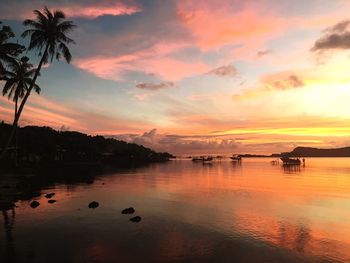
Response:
column 197, row 77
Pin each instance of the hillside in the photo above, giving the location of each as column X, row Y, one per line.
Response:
column 315, row 152
column 43, row 145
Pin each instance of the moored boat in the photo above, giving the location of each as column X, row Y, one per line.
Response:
column 208, row 159
column 236, row 158
column 290, row 161
column 202, row 159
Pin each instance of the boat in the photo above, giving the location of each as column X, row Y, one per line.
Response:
column 236, row 158
column 290, row 161
column 208, row 159
column 202, row 159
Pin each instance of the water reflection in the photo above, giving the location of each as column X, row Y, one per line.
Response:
column 292, row 169
column 9, row 221
column 296, row 238
column 248, row 212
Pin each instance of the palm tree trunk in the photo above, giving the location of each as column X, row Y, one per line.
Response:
column 16, row 132
column 23, row 102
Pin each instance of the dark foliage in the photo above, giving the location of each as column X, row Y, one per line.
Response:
column 40, row 146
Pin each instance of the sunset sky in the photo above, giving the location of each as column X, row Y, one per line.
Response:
column 193, row 77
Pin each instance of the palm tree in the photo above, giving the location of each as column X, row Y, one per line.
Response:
column 8, row 51
column 48, row 34
column 18, row 79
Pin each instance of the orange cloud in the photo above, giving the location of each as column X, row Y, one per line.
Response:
column 45, row 112
column 286, row 80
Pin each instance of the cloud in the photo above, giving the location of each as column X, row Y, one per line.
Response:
column 339, row 27
column 214, row 25
column 291, row 81
column 155, row 86
column 262, row 53
column 86, row 9
column 335, row 37
column 224, row 71
column 279, row 81
column 178, row 144
column 114, row 68
column 115, row 9
column 159, row 40
column 45, row 112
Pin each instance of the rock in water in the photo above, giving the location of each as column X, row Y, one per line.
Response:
column 49, row 195
column 34, row 204
column 129, row 210
column 51, row 201
column 135, row 219
column 93, row 204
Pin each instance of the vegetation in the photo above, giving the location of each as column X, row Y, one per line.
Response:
column 18, row 78
column 48, row 35
column 8, row 51
column 40, row 146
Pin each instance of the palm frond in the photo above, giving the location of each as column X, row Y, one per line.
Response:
column 37, row 89
column 49, row 30
column 65, row 51
column 48, row 13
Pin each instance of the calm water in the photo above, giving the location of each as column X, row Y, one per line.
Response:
column 223, row 212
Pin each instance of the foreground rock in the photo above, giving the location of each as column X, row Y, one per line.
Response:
column 49, row 195
column 129, row 210
column 51, row 201
column 135, row 219
column 34, row 204
column 94, row 204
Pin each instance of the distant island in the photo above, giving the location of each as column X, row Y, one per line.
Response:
column 306, row 152
column 45, row 147
column 315, row 152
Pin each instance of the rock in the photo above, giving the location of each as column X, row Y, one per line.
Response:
column 51, row 201
column 34, row 204
column 129, row 210
column 94, row 204
column 49, row 195
column 135, row 219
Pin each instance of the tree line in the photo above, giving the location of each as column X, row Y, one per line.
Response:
column 44, row 145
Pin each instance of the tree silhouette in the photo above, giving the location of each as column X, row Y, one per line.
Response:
column 18, row 79
column 48, row 34
column 8, row 51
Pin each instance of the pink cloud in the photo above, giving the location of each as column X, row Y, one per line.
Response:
column 209, row 27
column 91, row 11
column 114, row 9
column 167, row 68
column 214, row 26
